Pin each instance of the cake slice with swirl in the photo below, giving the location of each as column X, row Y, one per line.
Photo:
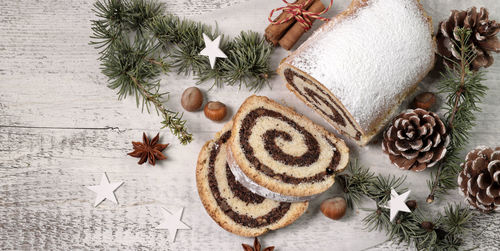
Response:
column 230, row 204
column 279, row 154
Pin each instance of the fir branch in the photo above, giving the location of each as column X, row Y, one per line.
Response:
column 419, row 229
column 456, row 219
column 355, row 182
column 358, row 181
column 247, row 61
column 186, row 36
column 380, row 188
column 137, row 41
column 464, row 91
column 141, row 12
column 377, row 220
column 110, row 26
column 132, row 69
column 248, row 54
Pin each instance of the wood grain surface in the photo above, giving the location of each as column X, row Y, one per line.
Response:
column 61, row 127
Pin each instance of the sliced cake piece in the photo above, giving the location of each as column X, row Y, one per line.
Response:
column 230, row 204
column 356, row 69
column 284, row 155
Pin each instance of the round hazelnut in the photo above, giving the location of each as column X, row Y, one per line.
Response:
column 424, row 100
column 215, row 110
column 192, row 99
column 334, row 208
column 412, row 204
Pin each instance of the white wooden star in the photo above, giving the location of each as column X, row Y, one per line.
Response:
column 172, row 223
column 212, row 50
column 105, row 190
column 398, row 203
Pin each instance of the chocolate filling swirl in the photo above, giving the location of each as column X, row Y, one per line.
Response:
column 335, row 116
column 269, row 137
column 315, row 99
column 306, row 159
column 241, row 192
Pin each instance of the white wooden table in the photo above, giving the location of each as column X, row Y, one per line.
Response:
column 61, row 128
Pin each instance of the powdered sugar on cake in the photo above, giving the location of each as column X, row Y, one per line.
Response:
column 370, row 59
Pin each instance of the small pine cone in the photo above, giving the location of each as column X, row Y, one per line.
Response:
column 479, row 179
column 483, row 38
column 415, row 140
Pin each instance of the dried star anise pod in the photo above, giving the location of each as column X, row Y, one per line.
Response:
column 256, row 246
column 483, row 40
column 148, row 150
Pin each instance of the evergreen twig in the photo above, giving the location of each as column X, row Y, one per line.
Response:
column 444, row 231
column 137, row 42
column 464, row 91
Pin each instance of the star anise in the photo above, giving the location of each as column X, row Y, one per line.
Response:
column 256, row 246
column 148, row 150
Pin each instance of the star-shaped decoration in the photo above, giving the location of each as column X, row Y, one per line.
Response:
column 256, row 246
column 398, row 203
column 105, row 190
column 172, row 223
column 212, row 50
column 148, row 149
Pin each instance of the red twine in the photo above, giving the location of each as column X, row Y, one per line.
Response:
column 300, row 14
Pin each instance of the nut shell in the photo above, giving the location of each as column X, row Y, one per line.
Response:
column 215, row 110
column 424, row 100
column 334, row 208
column 192, row 99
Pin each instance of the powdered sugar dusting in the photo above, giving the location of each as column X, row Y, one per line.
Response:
column 370, row 59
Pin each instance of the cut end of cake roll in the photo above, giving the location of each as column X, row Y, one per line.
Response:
column 284, row 152
column 357, row 69
column 229, row 203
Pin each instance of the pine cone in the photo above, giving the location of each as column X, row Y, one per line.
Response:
column 479, row 179
column 483, row 39
column 415, row 140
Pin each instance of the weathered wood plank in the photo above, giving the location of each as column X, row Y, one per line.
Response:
column 61, row 127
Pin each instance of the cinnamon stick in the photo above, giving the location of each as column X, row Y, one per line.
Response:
column 293, row 34
column 274, row 32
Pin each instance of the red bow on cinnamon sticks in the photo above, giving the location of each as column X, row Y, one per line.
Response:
column 303, row 13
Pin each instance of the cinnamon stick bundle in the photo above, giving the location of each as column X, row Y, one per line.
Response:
column 274, row 32
column 293, row 34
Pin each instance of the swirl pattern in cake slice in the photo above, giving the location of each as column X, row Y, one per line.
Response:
column 284, row 152
column 229, row 203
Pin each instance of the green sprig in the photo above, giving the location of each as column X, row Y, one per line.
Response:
column 356, row 182
column 419, row 229
column 464, row 91
column 137, row 42
column 359, row 182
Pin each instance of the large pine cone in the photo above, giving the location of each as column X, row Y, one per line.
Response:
column 479, row 179
column 415, row 140
column 483, row 39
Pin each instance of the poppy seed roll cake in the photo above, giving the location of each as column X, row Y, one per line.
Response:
column 356, row 69
column 230, row 204
column 283, row 152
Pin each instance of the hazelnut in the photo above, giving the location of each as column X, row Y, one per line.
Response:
column 192, row 99
column 427, row 225
column 334, row 208
column 215, row 110
column 412, row 204
column 424, row 100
